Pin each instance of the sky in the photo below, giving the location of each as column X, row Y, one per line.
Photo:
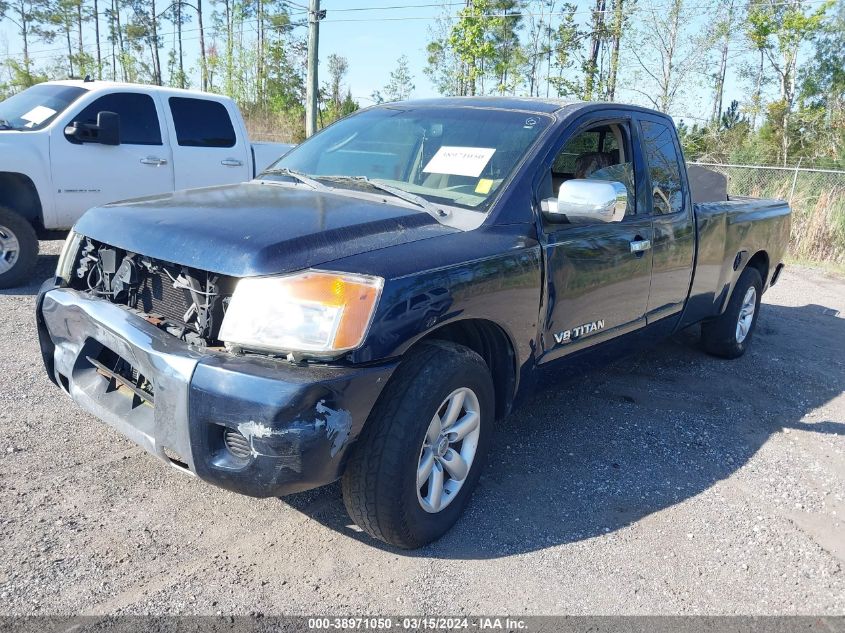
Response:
column 373, row 39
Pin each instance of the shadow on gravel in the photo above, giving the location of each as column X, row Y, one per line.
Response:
column 44, row 268
column 619, row 443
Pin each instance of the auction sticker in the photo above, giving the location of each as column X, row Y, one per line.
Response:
column 460, row 161
column 38, row 115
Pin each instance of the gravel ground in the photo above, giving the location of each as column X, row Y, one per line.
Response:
column 667, row 483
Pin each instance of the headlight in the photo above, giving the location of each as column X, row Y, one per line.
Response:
column 67, row 259
column 320, row 313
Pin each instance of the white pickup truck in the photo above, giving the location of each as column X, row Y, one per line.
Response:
column 67, row 146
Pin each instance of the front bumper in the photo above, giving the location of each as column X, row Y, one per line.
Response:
column 299, row 422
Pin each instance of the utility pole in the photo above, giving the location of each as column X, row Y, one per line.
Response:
column 311, row 85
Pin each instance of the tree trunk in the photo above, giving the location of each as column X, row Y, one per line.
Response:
column 25, row 36
column 591, row 66
column 669, row 56
column 121, row 45
column 113, row 38
column 154, row 43
column 203, row 61
column 718, row 97
column 229, row 49
column 80, row 47
column 720, row 81
column 69, row 50
column 179, row 35
column 757, row 90
column 260, row 60
column 549, row 49
column 97, row 39
column 618, row 17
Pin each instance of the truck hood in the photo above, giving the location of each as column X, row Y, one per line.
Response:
column 254, row 228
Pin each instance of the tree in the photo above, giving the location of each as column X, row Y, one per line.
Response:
column 597, row 35
column 59, row 22
column 722, row 34
column 615, row 35
column 203, row 53
column 538, row 47
column 472, row 47
column 177, row 15
column 781, row 28
column 143, row 27
column 338, row 67
column 666, row 53
column 757, row 31
column 508, row 57
column 480, row 52
column 401, row 83
column 822, row 91
column 568, row 39
column 25, row 15
column 442, row 64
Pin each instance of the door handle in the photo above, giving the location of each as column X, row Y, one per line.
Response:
column 640, row 246
column 231, row 162
column 153, row 160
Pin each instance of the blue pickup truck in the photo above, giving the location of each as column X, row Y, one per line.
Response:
column 369, row 307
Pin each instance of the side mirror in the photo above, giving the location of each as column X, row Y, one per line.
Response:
column 105, row 132
column 587, row 200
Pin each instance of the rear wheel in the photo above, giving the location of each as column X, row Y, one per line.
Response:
column 422, row 450
column 18, row 249
column 730, row 334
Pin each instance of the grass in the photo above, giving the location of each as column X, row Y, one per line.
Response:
column 830, row 268
column 818, row 210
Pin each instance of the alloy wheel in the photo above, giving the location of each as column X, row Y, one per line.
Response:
column 9, row 250
column 448, row 450
column 746, row 314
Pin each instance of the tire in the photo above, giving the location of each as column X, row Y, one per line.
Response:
column 725, row 336
column 380, row 482
column 18, row 249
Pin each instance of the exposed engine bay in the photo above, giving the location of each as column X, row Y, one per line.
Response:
column 183, row 301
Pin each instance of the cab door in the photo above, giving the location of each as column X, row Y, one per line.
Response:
column 86, row 175
column 597, row 274
column 673, row 243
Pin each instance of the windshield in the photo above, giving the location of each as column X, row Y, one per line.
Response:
column 36, row 107
column 454, row 156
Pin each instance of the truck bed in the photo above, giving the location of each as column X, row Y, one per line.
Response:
column 742, row 225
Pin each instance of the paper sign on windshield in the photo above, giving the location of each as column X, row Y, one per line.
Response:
column 38, row 115
column 460, row 161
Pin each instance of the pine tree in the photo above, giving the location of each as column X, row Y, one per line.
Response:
column 401, row 83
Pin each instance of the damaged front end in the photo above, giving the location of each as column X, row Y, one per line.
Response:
column 185, row 302
column 134, row 341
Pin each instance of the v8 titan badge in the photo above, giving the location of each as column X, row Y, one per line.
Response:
column 567, row 336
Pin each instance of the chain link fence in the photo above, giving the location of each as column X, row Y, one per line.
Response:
column 817, row 198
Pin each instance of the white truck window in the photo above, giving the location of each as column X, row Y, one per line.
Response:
column 201, row 123
column 139, row 123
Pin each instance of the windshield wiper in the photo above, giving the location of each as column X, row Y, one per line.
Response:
column 5, row 125
column 299, row 176
column 407, row 196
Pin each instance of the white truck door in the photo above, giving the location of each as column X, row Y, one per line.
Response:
column 206, row 148
column 86, row 175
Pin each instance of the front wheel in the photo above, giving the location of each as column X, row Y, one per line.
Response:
column 422, row 450
column 730, row 334
column 18, row 249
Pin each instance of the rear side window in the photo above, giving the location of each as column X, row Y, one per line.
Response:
column 201, row 123
column 663, row 167
column 138, row 118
